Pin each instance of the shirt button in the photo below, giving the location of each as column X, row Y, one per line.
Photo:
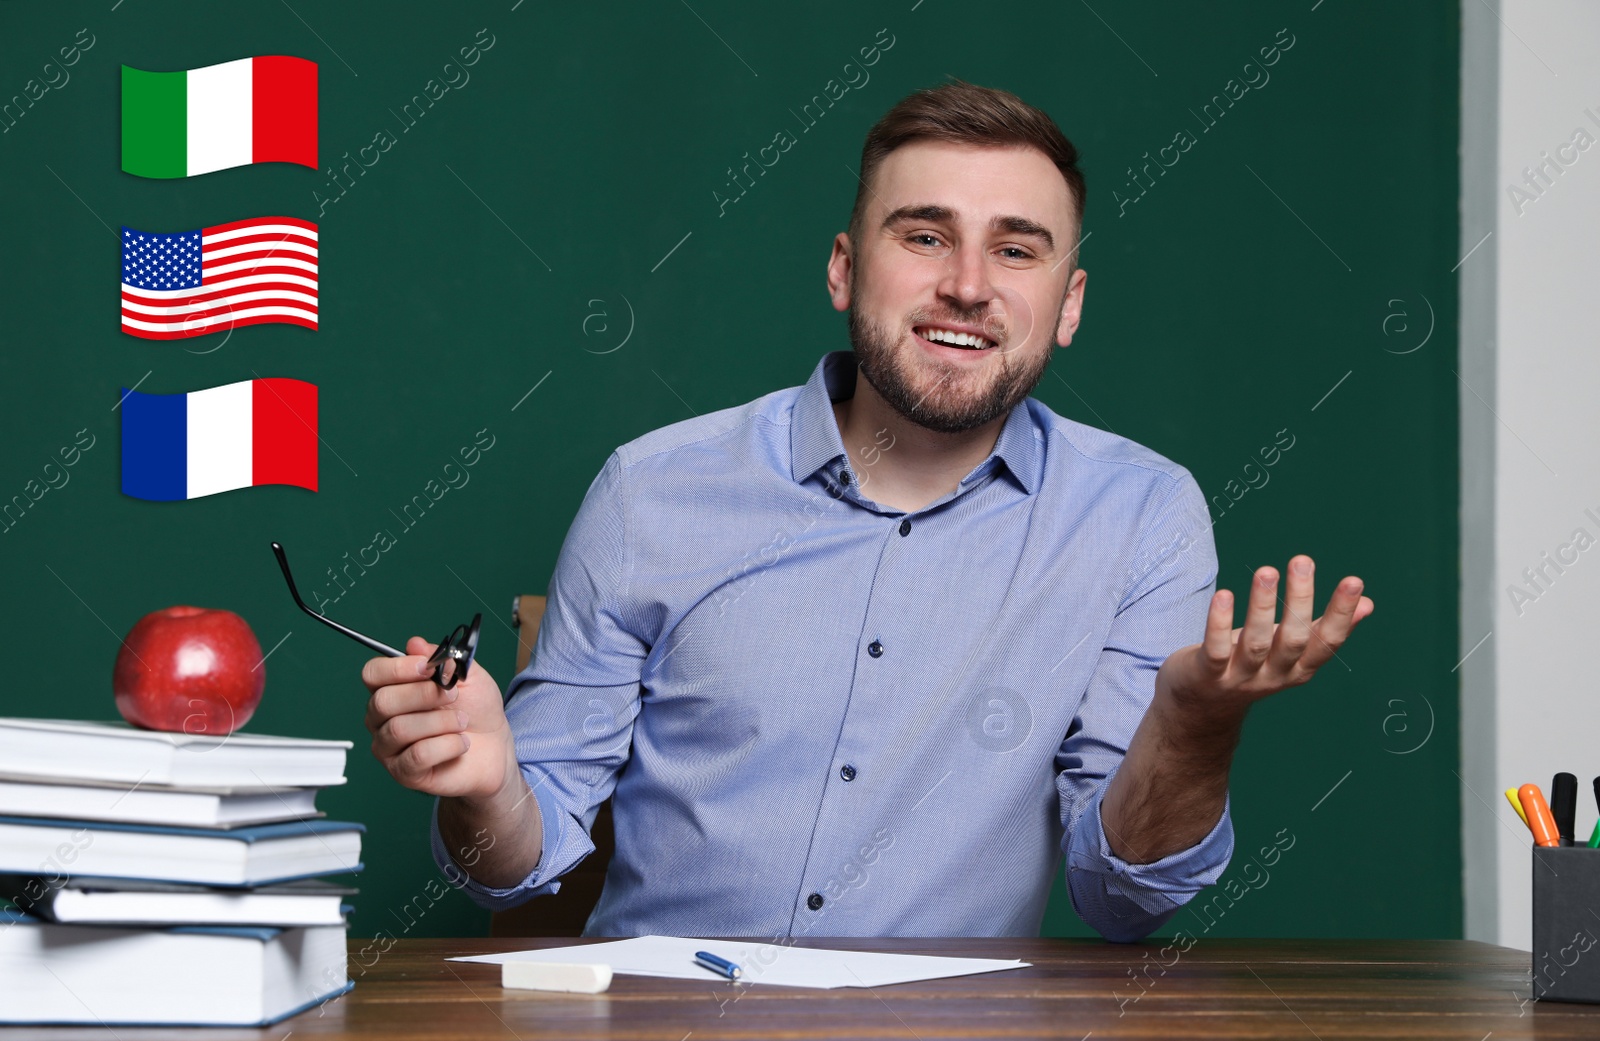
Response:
column 814, row 901
column 905, row 528
column 844, row 476
column 848, row 772
column 875, row 649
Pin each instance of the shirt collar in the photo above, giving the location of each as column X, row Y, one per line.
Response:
column 814, row 440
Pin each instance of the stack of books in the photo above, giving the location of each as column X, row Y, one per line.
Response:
column 168, row 879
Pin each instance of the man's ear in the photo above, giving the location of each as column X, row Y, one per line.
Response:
column 1071, row 307
column 839, row 272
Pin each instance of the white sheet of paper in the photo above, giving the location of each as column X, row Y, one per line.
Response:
column 779, row 964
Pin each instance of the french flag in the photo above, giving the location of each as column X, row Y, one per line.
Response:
column 239, row 435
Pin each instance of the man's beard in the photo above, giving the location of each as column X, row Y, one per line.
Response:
column 940, row 407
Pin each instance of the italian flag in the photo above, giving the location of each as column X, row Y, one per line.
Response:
column 254, row 110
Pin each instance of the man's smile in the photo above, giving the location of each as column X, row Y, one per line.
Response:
column 942, row 338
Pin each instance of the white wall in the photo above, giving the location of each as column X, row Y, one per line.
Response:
column 1530, row 424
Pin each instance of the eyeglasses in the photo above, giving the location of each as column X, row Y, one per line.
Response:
column 451, row 660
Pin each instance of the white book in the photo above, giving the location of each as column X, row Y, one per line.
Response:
column 188, row 975
column 93, row 800
column 249, row 856
column 119, row 751
column 88, row 899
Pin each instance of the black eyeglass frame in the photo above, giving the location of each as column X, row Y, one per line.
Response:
column 458, row 648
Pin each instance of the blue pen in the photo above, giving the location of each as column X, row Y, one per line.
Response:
column 720, row 966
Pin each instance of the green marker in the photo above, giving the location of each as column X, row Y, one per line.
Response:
column 1594, row 840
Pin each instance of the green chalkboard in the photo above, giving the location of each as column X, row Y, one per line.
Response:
column 539, row 250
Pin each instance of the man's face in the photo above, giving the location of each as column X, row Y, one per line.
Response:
column 959, row 240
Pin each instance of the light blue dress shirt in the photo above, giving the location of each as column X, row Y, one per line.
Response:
column 821, row 716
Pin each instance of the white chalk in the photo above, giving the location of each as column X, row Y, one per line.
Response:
column 545, row 975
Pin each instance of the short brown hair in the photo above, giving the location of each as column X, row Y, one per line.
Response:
column 968, row 114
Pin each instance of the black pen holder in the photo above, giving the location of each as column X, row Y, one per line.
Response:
column 1566, row 923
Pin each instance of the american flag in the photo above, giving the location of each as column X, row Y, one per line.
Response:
column 197, row 282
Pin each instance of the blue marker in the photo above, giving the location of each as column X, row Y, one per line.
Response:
column 720, row 966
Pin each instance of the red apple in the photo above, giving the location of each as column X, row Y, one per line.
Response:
column 195, row 670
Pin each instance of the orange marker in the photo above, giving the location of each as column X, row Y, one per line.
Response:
column 1540, row 819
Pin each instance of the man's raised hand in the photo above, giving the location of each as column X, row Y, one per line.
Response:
column 1230, row 668
column 452, row 742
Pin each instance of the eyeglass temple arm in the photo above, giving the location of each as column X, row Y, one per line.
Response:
column 365, row 641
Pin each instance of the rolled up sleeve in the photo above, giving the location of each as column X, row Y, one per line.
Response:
column 497, row 898
column 571, row 711
column 1127, row 902
column 1169, row 591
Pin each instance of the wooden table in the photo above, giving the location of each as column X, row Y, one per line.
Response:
column 1322, row 989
